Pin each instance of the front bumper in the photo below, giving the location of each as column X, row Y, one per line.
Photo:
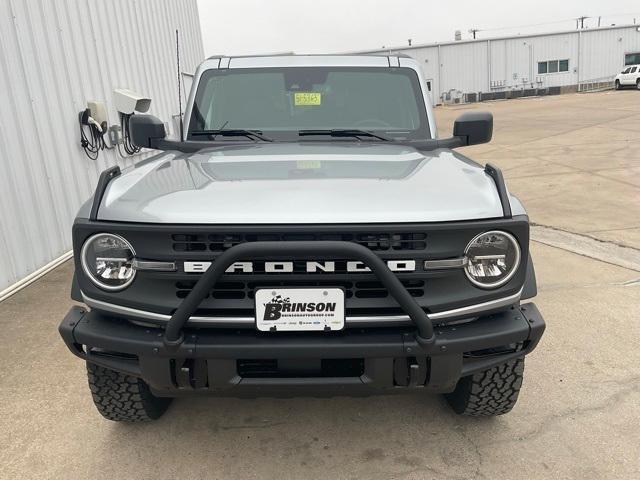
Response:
column 374, row 360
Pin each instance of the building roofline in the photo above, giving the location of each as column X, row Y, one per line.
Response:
column 291, row 54
column 506, row 37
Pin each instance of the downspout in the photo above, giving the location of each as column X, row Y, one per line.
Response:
column 578, row 66
column 506, row 70
column 530, row 65
column 439, row 82
column 488, row 65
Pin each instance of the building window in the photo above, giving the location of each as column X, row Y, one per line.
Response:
column 553, row 66
column 632, row 58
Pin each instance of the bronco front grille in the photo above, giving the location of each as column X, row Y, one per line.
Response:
column 379, row 242
column 246, row 289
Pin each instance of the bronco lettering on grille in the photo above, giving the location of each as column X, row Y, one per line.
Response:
column 308, row 267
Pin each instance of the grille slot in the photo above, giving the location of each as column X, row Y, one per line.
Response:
column 272, row 368
column 241, row 290
column 375, row 241
column 257, row 368
column 375, row 289
column 189, row 243
column 223, row 290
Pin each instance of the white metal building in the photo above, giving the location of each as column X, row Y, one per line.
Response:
column 56, row 55
column 494, row 68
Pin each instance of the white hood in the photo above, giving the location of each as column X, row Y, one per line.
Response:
column 302, row 183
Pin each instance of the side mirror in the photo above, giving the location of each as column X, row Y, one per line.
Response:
column 146, row 130
column 473, row 128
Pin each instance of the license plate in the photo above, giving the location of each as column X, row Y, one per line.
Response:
column 299, row 309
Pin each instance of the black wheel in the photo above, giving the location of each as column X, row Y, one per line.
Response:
column 617, row 85
column 638, row 84
column 123, row 398
column 492, row 392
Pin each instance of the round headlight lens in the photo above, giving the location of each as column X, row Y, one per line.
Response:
column 107, row 259
column 492, row 259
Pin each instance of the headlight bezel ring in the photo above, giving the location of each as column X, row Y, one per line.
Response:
column 87, row 271
column 516, row 264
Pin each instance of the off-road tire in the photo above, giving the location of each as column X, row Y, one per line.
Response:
column 617, row 85
column 492, row 392
column 123, row 398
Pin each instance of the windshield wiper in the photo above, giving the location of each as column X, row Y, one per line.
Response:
column 343, row 133
column 233, row 132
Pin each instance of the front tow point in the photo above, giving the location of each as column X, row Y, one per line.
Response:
column 414, row 371
column 426, row 342
column 173, row 345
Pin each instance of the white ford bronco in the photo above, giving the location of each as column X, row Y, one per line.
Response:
column 309, row 233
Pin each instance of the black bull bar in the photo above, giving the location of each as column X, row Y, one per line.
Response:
column 174, row 336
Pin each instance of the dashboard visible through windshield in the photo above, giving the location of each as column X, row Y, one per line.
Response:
column 293, row 103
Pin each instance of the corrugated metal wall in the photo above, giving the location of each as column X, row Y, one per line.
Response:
column 504, row 64
column 602, row 52
column 55, row 55
column 463, row 69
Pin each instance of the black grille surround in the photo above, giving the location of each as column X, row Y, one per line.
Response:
column 162, row 292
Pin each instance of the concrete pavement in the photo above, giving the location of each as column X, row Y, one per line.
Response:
column 574, row 160
column 569, row 159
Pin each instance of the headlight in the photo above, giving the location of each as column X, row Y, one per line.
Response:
column 107, row 260
column 492, row 259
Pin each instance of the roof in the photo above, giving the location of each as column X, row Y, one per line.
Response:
column 330, row 60
column 508, row 37
column 293, row 54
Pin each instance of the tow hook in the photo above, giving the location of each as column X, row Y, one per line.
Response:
column 414, row 373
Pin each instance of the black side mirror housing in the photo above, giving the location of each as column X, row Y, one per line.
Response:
column 473, row 128
column 146, row 130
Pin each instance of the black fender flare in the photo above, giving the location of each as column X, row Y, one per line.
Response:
column 530, row 287
column 76, row 294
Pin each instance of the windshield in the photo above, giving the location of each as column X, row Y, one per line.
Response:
column 280, row 102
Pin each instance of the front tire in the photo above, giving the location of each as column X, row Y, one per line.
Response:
column 489, row 393
column 638, row 84
column 617, row 85
column 123, row 398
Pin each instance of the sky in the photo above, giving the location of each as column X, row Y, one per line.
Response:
column 245, row 27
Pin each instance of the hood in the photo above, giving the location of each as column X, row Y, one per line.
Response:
column 283, row 183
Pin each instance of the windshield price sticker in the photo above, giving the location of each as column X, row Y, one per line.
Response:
column 307, row 98
column 308, row 164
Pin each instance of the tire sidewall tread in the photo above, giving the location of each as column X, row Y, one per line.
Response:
column 123, row 398
column 488, row 393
